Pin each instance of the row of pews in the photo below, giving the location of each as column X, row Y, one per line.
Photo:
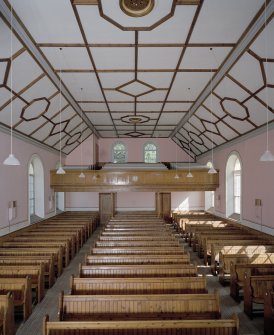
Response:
column 32, row 258
column 137, row 279
column 240, row 256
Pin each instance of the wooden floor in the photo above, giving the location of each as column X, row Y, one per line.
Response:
column 49, row 304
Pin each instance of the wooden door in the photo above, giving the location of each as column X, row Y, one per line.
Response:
column 106, row 206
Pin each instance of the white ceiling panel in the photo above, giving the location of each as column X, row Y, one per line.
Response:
column 102, row 118
column 25, row 70
column 151, row 107
column 153, row 96
column 257, row 112
column 43, row 132
column 4, row 96
column 177, row 106
column 93, row 106
column 99, row 30
column 174, row 30
column 156, row 79
column 196, row 122
column 28, row 127
column 54, row 106
column 117, row 116
column 113, row 58
column 68, row 58
column 224, row 21
column 113, row 80
column 66, row 114
column 226, row 131
column 74, row 123
column 195, row 81
column 163, row 133
column 3, row 68
column 104, row 128
column 247, row 71
column 70, row 148
column 228, row 88
column 204, row 58
column 213, row 104
column 170, row 118
column 204, row 114
column 17, row 107
column 242, row 127
column 117, row 96
column 267, row 94
column 260, row 47
column 43, row 88
column 5, row 41
column 49, row 21
column 127, row 107
column 153, row 116
column 87, row 81
column 158, row 58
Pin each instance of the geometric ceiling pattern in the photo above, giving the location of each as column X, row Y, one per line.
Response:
column 150, row 76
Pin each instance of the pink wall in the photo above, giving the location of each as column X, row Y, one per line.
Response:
column 87, row 147
column 257, row 179
column 14, row 179
column 82, row 201
column 135, row 201
column 135, row 147
column 187, row 200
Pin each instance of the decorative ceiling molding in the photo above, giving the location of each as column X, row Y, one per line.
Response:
column 28, row 42
column 95, row 2
column 235, row 54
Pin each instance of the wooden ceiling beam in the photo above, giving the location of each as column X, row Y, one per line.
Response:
column 95, row 2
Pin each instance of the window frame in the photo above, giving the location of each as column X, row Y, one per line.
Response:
column 156, row 151
column 113, row 150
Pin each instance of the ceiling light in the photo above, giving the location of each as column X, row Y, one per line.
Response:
column 60, row 169
column 81, row 175
column 176, row 176
column 11, row 159
column 212, row 170
column 189, row 175
column 267, row 156
column 136, row 8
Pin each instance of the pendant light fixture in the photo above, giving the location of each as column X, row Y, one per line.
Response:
column 81, row 175
column 267, row 156
column 189, row 175
column 60, row 169
column 212, row 169
column 11, row 159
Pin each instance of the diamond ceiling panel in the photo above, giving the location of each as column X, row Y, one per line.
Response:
column 164, row 72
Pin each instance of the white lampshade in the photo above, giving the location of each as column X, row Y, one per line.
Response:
column 189, row 175
column 60, row 170
column 81, row 175
column 176, row 176
column 212, row 170
column 11, row 160
column 267, row 156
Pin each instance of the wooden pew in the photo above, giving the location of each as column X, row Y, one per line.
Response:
column 41, row 245
column 269, row 312
column 131, row 233
column 225, row 261
column 138, row 238
column 7, row 326
column 118, row 244
column 239, row 271
column 138, row 307
column 69, row 224
column 255, row 288
column 21, row 293
column 137, row 259
column 20, row 252
column 160, row 285
column 159, row 327
column 237, row 247
column 146, row 270
column 138, row 251
column 34, row 272
column 33, row 260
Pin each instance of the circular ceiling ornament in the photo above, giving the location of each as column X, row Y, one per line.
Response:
column 135, row 119
column 136, row 8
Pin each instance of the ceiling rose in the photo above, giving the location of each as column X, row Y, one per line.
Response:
column 136, row 8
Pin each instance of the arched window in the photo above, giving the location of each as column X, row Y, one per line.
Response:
column 36, row 189
column 31, row 191
column 233, row 185
column 237, row 187
column 209, row 195
column 119, row 153
column 150, row 153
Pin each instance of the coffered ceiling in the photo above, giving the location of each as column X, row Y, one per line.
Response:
column 125, row 76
